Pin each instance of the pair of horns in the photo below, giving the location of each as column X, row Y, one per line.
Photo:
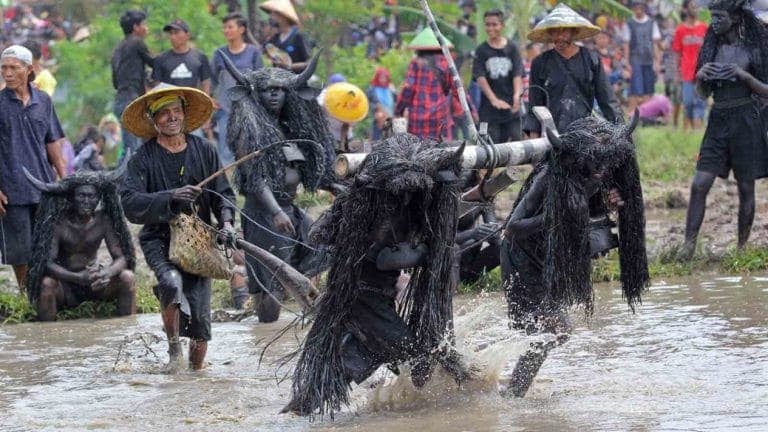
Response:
column 59, row 188
column 297, row 81
column 556, row 142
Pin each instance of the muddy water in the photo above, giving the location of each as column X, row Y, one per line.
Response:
column 694, row 357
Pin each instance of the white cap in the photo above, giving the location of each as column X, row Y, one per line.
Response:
column 17, row 52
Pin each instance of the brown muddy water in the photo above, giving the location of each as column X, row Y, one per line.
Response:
column 694, row 357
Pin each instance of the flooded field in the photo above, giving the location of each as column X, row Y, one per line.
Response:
column 694, row 357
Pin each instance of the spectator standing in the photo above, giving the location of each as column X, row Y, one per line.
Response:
column 568, row 79
column 44, row 79
column 29, row 135
column 642, row 46
column 182, row 65
column 498, row 70
column 128, row 67
column 689, row 37
column 246, row 56
column 427, row 90
column 288, row 38
column 381, row 99
column 669, row 68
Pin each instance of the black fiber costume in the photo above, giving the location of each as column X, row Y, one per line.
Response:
column 546, row 263
column 402, row 204
column 551, row 239
column 279, row 171
column 54, row 205
column 146, row 197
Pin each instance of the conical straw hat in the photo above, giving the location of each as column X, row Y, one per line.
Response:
column 563, row 17
column 426, row 40
column 283, row 7
column 198, row 109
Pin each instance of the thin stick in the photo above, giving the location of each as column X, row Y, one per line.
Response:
column 454, row 72
column 245, row 158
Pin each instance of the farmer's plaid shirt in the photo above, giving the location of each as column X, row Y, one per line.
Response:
column 427, row 93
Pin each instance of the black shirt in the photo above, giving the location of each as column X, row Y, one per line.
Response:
column 294, row 45
column 128, row 62
column 185, row 70
column 572, row 86
column 499, row 67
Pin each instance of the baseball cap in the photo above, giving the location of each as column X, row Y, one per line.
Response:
column 18, row 52
column 177, row 24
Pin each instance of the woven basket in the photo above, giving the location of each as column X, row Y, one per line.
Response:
column 195, row 250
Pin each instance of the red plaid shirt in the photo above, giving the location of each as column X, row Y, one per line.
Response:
column 427, row 93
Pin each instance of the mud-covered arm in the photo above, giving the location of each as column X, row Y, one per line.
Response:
column 60, row 272
column 527, row 218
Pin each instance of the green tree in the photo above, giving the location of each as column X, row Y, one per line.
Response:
column 85, row 67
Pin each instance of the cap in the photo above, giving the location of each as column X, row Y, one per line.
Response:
column 18, row 52
column 177, row 24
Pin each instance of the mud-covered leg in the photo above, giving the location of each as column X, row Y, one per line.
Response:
column 530, row 362
column 702, row 182
column 746, row 210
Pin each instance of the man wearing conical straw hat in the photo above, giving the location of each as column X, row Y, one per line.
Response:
column 568, row 78
column 160, row 185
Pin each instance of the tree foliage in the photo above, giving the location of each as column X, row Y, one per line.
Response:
column 84, row 68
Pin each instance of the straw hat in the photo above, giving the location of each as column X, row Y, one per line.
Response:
column 198, row 109
column 563, row 17
column 426, row 40
column 283, row 7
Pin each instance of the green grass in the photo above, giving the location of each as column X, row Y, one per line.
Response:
column 666, row 154
column 15, row 309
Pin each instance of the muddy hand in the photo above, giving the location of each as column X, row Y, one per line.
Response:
column 614, row 200
column 282, row 222
column 186, row 194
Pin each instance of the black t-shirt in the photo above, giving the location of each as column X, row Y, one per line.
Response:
column 294, row 45
column 499, row 67
column 128, row 62
column 186, row 70
column 569, row 88
column 173, row 167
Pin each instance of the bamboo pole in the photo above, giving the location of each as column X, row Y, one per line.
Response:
column 454, row 71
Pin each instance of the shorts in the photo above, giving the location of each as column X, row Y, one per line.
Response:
column 735, row 140
column 643, row 80
column 694, row 106
column 16, row 234
column 192, row 293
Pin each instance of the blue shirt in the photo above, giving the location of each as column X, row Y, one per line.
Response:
column 247, row 60
column 25, row 131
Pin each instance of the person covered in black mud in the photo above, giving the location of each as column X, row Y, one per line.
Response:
column 69, row 230
column 273, row 110
column 550, row 236
column 399, row 214
column 733, row 69
column 161, row 184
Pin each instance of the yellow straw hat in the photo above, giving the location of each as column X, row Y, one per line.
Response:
column 563, row 17
column 198, row 108
column 283, row 7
